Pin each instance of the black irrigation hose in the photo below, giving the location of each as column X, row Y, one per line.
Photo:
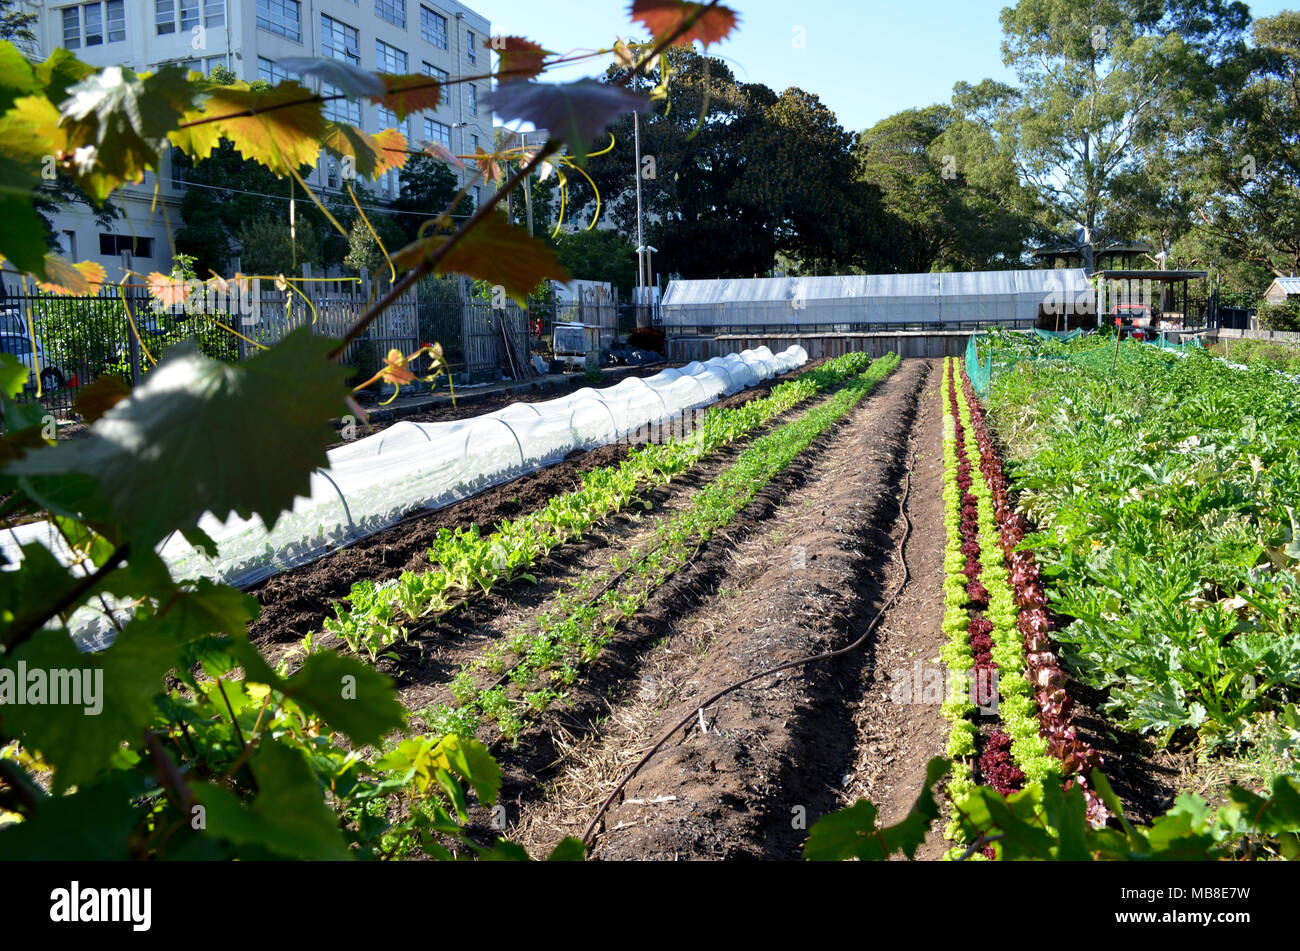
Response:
column 827, row 655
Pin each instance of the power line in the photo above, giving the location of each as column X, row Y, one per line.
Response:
column 240, row 191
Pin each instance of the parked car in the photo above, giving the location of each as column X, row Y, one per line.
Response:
column 20, row 346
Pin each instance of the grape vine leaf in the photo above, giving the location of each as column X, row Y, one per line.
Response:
column 13, row 375
column 91, row 825
column 661, row 17
column 351, row 80
column 283, row 131
column 59, row 72
column 392, row 152
column 79, row 739
column 243, row 437
column 520, row 58
column 494, row 251
column 16, row 76
column 853, row 833
column 288, row 816
column 573, row 112
column 405, row 94
column 74, row 280
column 347, row 141
column 114, row 120
column 350, row 695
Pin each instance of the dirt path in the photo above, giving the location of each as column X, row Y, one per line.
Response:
column 803, row 575
column 296, row 602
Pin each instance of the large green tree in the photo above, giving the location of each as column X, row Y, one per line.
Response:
column 1111, row 97
column 954, row 194
column 599, row 255
column 732, row 175
column 428, row 187
column 1248, row 194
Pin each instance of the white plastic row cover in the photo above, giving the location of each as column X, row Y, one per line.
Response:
column 372, row 483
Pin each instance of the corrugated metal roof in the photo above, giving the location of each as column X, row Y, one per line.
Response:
column 1038, row 281
column 1289, row 284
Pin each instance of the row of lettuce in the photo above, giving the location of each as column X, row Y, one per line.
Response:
column 1164, row 572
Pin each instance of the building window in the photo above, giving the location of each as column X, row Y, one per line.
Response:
column 340, row 110
column 71, row 28
column 281, row 17
column 434, row 72
column 433, row 28
column 70, row 245
column 470, row 53
column 473, row 141
column 332, row 177
column 472, row 93
column 439, row 132
column 189, row 15
column 388, row 120
column 339, row 41
column 165, row 16
column 389, row 59
column 84, row 25
column 270, row 72
column 115, row 244
column 394, row 11
column 214, row 12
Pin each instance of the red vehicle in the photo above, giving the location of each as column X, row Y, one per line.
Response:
column 1135, row 320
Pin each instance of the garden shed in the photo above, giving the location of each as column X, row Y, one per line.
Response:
column 1283, row 290
column 873, row 302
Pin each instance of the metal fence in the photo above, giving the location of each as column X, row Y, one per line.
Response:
column 69, row 342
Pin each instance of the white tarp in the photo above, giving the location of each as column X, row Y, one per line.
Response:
column 372, row 483
column 974, row 297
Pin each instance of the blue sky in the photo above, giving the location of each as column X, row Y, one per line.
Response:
column 866, row 59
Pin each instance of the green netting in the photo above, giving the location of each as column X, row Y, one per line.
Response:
column 1059, row 334
column 990, row 355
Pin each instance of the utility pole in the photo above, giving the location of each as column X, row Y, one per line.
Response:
column 640, row 240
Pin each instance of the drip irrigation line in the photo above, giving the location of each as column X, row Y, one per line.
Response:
column 698, row 709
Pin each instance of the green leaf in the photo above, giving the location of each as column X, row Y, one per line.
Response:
column 570, row 849
column 13, row 376
column 16, row 76
column 79, row 739
column 200, row 435
column 852, row 833
column 471, row 760
column 92, row 825
column 115, row 119
column 349, row 695
column 289, row 816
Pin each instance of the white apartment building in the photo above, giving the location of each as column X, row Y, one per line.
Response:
column 438, row 38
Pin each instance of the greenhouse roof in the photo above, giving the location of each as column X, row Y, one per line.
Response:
column 935, row 284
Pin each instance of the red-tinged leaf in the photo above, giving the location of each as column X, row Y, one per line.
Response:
column 407, row 94
column 393, row 151
column 494, row 251
column 73, row 280
column 349, row 142
column 573, row 112
column 440, row 151
column 708, row 24
column 166, row 290
column 285, row 127
column 395, row 370
column 520, row 58
column 488, row 165
column 99, row 397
